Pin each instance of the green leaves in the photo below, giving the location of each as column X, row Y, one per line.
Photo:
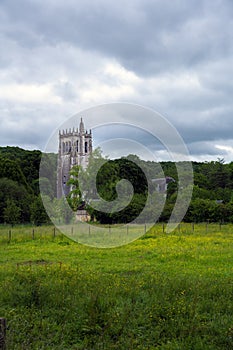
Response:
column 11, row 212
column 75, row 196
column 38, row 213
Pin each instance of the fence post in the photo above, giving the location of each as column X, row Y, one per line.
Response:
column 109, row 228
column 2, row 333
column 163, row 227
column 54, row 232
column 145, row 228
column 9, row 236
column 33, row 233
column 193, row 226
column 127, row 229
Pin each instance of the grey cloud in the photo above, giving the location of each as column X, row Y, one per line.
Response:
column 66, row 90
column 29, row 126
column 146, row 37
column 210, row 128
column 42, row 42
column 208, row 148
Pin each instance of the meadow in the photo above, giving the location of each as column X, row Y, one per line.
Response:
column 162, row 291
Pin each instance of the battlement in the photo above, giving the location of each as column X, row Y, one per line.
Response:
column 71, row 132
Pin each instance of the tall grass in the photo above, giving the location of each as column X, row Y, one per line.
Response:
column 160, row 292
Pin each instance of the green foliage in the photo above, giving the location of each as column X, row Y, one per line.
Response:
column 48, row 168
column 75, row 196
column 38, row 213
column 46, row 187
column 11, row 170
column 110, row 187
column 19, row 184
column 27, row 161
column 11, row 212
column 212, row 193
column 13, row 191
column 66, row 213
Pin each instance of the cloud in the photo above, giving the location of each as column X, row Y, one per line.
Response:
column 30, row 93
column 59, row 57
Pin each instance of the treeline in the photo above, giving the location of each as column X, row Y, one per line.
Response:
column 212, row 196
column 20, row 201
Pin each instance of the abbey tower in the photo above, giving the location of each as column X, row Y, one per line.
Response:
column 75, row 147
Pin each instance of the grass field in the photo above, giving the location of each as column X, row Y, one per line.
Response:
column 163, row 291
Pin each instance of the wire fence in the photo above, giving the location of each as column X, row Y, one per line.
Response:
column 19, row 233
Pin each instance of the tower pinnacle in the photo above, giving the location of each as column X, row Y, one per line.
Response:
column 81, row 127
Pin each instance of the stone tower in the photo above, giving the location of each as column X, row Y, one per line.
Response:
column 75, row 147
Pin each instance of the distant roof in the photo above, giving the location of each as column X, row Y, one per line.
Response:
column 162, row 180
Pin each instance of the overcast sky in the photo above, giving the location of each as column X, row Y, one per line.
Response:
column 59, row 57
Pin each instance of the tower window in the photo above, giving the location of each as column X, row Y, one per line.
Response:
column 77, row 146
column 85, row 147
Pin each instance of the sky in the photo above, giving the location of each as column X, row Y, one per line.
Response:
column 58, row 58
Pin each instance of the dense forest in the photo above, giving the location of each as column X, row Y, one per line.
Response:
column 212, row 198
column 20, row 201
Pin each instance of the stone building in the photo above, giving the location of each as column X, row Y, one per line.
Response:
column 75, row 147
column 162, row 183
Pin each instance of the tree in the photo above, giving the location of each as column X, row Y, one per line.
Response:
column 75, row 196
column 10, row 189
column 10, row 169
column 11, row 213
column 38, row 213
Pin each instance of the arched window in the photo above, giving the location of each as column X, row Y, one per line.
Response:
column 64, row 180
column 86, row 149
column 63, row 147
column 77, row 146
column 69, row 150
